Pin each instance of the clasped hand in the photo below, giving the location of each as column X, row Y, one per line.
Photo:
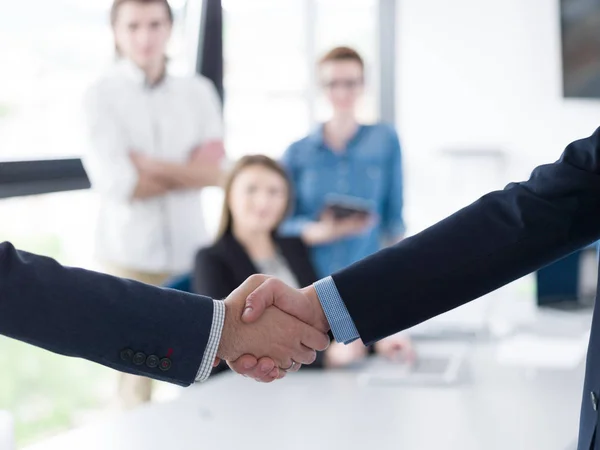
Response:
column 271, row 328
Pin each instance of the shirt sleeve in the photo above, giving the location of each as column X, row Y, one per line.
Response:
column 392, row 219
column 342, row 326
column 107, row 160
column 295, row 223
column 214, row 339
column 212, row 117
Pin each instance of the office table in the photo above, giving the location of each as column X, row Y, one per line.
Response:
column 493, row 407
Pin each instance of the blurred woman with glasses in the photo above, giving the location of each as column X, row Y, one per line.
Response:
column 344, row 162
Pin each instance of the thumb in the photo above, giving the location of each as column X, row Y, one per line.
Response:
column 258, row 301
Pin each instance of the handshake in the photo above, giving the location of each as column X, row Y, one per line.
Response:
column 271, row 329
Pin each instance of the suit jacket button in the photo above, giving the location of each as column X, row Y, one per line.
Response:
column 594, row 399
column 126, row 354
column 139, row 358
column 152, row 361
column 165, row 364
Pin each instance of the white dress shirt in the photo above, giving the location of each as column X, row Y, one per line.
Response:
column 166, row 121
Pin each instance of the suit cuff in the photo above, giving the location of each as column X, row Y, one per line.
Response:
column 342, row 326
column 210, row 353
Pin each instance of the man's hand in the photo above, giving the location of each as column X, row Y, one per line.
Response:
column 143, row 163
column 210, row 153
column 328, row 229
column 396, row 347
column 203, row 169
column 148, row 185
column 274, row 334
column 263, row 370
column 300, row 303
column 303, row 304
column 340, row 355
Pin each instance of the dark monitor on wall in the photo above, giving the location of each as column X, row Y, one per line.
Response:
column 580, row 32
column 557, row 284
column 564, row 284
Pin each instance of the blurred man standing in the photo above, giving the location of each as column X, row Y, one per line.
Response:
column 156, row 140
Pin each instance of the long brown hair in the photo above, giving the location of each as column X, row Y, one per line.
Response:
column 243, row 163
column 116, row 6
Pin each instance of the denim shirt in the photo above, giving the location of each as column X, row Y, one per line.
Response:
column 369, row 168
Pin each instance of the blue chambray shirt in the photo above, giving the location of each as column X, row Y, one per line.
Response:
column 370, row 168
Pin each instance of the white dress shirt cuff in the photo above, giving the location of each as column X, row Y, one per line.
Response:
column 214, row 339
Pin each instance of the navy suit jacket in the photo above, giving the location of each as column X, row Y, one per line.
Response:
column 499, row 238
column 123, row 324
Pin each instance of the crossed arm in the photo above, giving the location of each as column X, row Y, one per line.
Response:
column 156, row 177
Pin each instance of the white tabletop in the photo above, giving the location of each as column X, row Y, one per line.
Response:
column 494, row 407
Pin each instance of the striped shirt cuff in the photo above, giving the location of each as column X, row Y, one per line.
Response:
column 342, row 326
column 214, row 339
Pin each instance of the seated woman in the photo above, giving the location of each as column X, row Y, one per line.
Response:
column 257, row 199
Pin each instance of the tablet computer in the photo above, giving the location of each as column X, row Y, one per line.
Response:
column 428, row 369
column 344, row 206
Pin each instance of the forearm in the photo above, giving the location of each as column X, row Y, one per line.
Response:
column 102, row 318
column 149, row 187
column 313, row 233
column 501, row 237
column 310, row 231
column 188, row 175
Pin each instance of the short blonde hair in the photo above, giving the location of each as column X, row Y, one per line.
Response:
column 342, row 54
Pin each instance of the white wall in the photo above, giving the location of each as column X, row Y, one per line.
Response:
column 480, row 74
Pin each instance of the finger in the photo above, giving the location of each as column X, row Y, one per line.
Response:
column 244, row 365
column 266, row 366
column 313, row 338
column 275, row 374
column 260, row 299
column 274, row 292
column 295, row 367
column 409, row 354
column 392, row 353
column 216, row 362
column 327, row 216
column 263, row 370
column 303, row 355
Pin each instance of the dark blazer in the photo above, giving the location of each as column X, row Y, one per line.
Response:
column 122, row 324
column 499, row 238
column 222, row 267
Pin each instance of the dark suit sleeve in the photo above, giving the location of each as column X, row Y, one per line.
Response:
column 81, row 313
column 211, row 276
column 499, row 238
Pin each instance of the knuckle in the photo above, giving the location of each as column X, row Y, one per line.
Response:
column 255, row 278
column 271, row 283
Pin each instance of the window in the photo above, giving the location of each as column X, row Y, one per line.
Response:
column 50, row 57
column 48, row 60
column 50, row 52
column 270, row 48
column 351, row 23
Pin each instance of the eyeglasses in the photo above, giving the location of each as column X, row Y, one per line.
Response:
column 348, row 84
